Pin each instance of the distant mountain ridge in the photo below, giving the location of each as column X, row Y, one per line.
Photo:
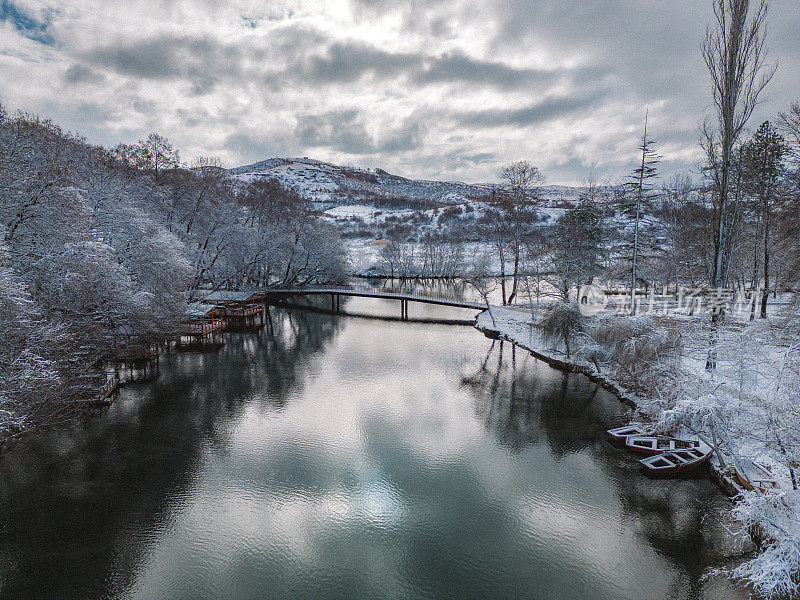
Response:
column 325, row 182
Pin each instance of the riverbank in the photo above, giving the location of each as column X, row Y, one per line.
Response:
column 519, row 327
column 724, row 404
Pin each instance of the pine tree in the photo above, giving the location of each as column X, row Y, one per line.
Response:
column 763, row 169
column 639, row 180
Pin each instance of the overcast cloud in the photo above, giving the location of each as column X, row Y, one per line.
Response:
column 432, row 89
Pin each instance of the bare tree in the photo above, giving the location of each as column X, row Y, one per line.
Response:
column 522, row 179
column 790, row 123
column 389, row 257
column 561, row 322
column 155, row 154
column 494, row 226
column 680, row 257
column 790, row 126
column 480, row 278
column 735, row 54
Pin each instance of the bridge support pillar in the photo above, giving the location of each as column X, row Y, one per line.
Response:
column 404, row 310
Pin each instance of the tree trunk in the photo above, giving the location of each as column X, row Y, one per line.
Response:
column 754, row 284
column 765, row 293
column 517, row 244
column 721, row 234
column 515, row 277
column 503, row 275
column 636, row 223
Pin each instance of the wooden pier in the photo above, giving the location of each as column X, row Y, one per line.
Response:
column 202, row 329
column 109, row 389
column 242, row 311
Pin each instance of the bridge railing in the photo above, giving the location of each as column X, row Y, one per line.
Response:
column 365, row 289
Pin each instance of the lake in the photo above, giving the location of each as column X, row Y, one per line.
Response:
column 353, row 457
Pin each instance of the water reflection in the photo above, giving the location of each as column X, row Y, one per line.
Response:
column 339, row 457
column 523, row 400
column 67, row 494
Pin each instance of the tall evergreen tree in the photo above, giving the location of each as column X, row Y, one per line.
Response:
column 762, row 158
column 640, row 181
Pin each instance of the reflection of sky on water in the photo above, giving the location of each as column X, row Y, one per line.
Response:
column 373, row 459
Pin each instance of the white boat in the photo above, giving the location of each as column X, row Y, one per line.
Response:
column 619, row 434
column 676, row 462
column 654, row 444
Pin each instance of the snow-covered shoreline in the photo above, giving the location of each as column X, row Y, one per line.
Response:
column 771, row 520
column 515, row 326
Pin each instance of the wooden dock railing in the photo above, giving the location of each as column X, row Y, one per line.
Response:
column 109, row 387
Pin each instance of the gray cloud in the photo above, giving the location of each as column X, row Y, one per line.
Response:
column 343, row 62
column 250, row 148
column 460, row 67
column 303, row 56
column 346, row 131
column 539, row 112
column 201, row 61
column 430, row 88
column 77, row 74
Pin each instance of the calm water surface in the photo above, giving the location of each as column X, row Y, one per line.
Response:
column 342, row 457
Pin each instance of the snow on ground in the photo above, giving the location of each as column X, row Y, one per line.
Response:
column 551, row 214
column 363, row 255
column 744, row 403
column 453, row 198
column 347, row 211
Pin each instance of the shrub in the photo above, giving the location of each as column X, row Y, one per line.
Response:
column 561, row 322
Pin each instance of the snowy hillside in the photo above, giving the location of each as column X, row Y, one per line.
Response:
column 370, row 204
column 325, row 182
column 328, row 183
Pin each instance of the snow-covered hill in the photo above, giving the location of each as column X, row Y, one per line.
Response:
column 326, row 183
column 371, row 204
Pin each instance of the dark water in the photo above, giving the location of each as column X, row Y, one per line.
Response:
column 338, row 457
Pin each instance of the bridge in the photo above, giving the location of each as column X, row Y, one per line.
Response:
column 404, row 296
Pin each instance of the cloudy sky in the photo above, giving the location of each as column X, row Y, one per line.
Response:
column 426, row 88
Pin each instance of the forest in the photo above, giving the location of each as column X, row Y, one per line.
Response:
column 102, row 250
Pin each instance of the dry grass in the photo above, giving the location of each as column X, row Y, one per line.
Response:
column 641, row 351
